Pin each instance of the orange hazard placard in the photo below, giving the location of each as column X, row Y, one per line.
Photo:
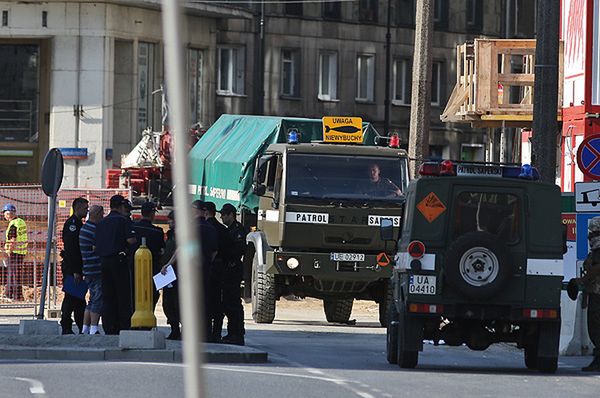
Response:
column 383, row 259
column 431, row 207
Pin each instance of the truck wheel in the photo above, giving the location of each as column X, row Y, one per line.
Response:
column 530, row 353
column 407, row 359
column 384, row 305
column 547, row 365
column 338, row 310
column 478, row 265
column 263, row 295
column 392, row 335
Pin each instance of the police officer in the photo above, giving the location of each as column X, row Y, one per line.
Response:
column 72, row 267
column 209, row 237
column 171, row 292
column 114, row 238
column 217, row 271
column 232, row 276
column 591, row 282
column 155, row 238
column 15, row 250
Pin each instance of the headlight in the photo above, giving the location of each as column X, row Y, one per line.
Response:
column 292, row 263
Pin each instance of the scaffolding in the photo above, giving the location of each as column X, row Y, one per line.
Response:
column 494, row 84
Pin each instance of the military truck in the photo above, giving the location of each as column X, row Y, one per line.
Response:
column 479, row 262
column 314, row 208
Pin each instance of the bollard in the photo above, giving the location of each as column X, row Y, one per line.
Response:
column 143, row 317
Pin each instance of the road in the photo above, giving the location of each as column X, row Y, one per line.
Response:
column 310, row 358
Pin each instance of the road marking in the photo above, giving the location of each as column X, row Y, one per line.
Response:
column 36, row 386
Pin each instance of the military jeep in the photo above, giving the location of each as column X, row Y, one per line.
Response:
column 479, row 262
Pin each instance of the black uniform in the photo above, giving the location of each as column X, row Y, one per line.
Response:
column 593, row 312
column 155, row 241
column 215, row 304
column 72, row 264
column 171, row 293
column 232, row 279
column 112, row 247
column 209, row 238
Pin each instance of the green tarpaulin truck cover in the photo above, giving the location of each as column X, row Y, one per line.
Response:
column 222, row 162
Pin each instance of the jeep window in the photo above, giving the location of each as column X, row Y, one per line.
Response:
column 495, row 213
column 345, row 177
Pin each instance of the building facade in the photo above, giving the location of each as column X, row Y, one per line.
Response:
column 86, row 75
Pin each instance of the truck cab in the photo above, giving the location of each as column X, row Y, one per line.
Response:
column 479, row 262
column 318, row 233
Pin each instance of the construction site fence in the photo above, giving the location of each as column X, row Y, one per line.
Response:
column 21, row 279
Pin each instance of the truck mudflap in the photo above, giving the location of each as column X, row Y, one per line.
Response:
column 329, row 266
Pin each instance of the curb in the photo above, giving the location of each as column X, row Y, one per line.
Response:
column 243, row 355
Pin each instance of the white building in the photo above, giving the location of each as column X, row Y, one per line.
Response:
column 81, row 75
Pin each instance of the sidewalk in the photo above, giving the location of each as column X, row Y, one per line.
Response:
column 106, row 348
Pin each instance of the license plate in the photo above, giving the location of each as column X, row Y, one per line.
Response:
column 422, row 284
column 351, row 257
column 478, row 170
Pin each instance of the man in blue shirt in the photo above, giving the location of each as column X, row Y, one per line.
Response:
column 92, row 270
column 114, row 238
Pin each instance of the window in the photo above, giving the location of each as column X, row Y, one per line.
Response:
column 328, row 75
column 365, row 78
column 494, row 213
column 405, row 13
column 232, row 70
column 293, row 7
column 290, row 73
column 145, row 111
column 195, row 84
column 440, row 14
column 367, row 10
column 474, row 15
column 436, row 83
column 402, row 75
column 332, row 10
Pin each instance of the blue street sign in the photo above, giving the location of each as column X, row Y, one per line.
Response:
column 74, row 153
column 582, row 232
column 588, row 156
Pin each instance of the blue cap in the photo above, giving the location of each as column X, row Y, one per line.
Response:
column 9, row 207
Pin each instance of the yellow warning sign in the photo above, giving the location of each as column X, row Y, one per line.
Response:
column 62, row 203
column 431, row 207
column 342, row 129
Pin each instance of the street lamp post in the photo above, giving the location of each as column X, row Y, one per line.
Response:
column 388, row 37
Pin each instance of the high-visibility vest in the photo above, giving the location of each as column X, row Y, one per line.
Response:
column 20, row 246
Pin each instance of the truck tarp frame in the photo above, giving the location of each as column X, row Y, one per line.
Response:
column 223, row 161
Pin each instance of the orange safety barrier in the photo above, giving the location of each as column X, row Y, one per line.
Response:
column 21, row 276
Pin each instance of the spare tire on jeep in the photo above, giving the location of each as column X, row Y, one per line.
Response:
column 478, row 265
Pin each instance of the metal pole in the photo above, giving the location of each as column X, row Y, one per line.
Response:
column 545, row 96
column 188, row 259
column 420, row 110
column 51, row 221
column 388, row 37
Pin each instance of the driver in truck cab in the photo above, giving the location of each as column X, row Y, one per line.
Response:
column 381, row 186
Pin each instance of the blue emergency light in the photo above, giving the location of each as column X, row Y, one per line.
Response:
column 293, row 136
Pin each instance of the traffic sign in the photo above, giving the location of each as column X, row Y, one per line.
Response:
column 342, row 129
column 52, row 172
column 583, row 247
column 588, row 156
column 587, row 197
column 383, row 259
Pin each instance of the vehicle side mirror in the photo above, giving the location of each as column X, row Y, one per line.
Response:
column 386, row 229
column 260, row 173
column 259, row 189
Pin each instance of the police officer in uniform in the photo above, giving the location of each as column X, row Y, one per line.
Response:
column 171, row 292
column 114, row 238
column 232, row 276
column 72, row 267
column 217, row 272
column 155, row 239
column 15, row 250
column 591, row 283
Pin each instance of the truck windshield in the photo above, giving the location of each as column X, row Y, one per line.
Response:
column 345, row 177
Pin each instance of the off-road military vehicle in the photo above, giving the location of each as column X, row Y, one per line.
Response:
column 479, row 262
column 318, row 208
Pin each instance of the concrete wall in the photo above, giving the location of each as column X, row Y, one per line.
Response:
column 93, row 63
